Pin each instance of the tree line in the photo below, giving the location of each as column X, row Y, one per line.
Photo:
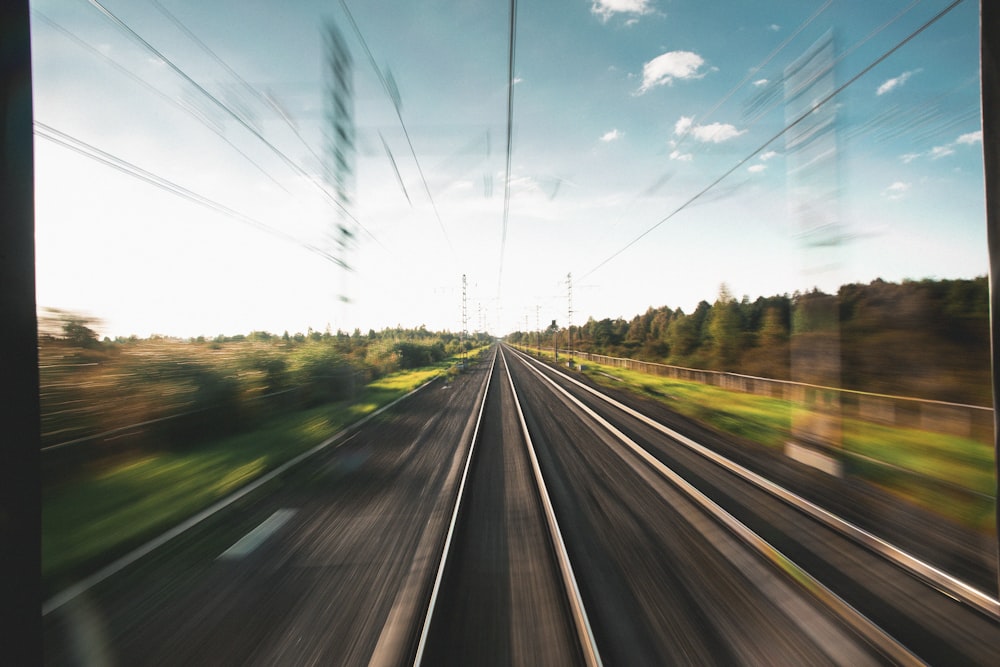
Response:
column 926, row 338
column 184, row 392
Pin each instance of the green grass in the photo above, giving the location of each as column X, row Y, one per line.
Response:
column 953, row 460
column 91, row 520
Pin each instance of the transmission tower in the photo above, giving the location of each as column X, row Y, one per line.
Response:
column 569, row 326
column 340, row 149
column 538, row 330
column 465, row 318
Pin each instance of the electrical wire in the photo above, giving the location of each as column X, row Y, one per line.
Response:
column 779, row 134
column 132, row 34
column 768, row 107
column 393, row 94
column 152, row 89
column 778, row 49
column 88, row 150
column 510, row 138
column 262, row 97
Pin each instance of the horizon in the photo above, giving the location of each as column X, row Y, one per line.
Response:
column 650, row 158
column 95, row 322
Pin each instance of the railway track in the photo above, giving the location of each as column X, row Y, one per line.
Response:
column 505, row 592
column 898, row 609
column 521, row 518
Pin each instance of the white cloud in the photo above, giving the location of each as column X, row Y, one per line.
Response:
column 715, row 133
column 941, row 151
column 683, row 124
column 774, row 27
column 970, row 138
column 756, row 168
column 605, row 9
column 764, row 157
column 683, row 157
column 522, row 183
column 896, row 190
column 967, row 139
column 895, row 82
column 663, row 69
column 611, row 135
column 760, row 82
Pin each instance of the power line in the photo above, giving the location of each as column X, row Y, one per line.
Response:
column 510, row 135
column 781, row 133
column 687, row 132
column 760, row 112
column 732, row 91
column 87, row 150
column 389, row 86
column 395, row 169
column 153, row 89
column 128, row 31
column 233, row 73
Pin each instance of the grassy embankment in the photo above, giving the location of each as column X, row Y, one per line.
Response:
column 934, row 457
column 91, row 520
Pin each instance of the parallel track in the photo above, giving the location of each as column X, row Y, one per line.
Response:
column 466, row 526
column 890, row 647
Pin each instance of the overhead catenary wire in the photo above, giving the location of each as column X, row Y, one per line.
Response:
column 393, row 94
column 753, row 70
column 87, row 150
column 679, row 142
column 819, row 103
column 264, row 98
column 152, row 89
column 766, row 108
column 510, row 141
column 132, row 34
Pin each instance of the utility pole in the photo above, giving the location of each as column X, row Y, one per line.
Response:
column 340, row 149
column 569, row 326
column 465, row 320
column 538, row 332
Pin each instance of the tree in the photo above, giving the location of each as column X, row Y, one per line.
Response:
column 78, row 334
column 682, row 336
column 724, row 329
column 774, row 330
column 73, row 328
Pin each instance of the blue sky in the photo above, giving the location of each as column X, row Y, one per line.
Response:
column 624, row 110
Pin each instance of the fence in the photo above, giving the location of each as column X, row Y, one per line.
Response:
column 971, row 421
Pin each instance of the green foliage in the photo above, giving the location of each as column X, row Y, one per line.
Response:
column 927, row 338
column 935, row 458
column 724, row 329
column 415, row 355
column 88, row 521
column 322, row 372
column 187, row 392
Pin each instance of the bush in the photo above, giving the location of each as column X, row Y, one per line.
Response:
column 415, row 355
column 322, row 372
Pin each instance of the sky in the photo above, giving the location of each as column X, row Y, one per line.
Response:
column 658, row 148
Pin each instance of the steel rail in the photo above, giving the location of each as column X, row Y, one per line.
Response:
column 585, row 634
column 865, row 627
column 939, row 579
column 439, row 577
